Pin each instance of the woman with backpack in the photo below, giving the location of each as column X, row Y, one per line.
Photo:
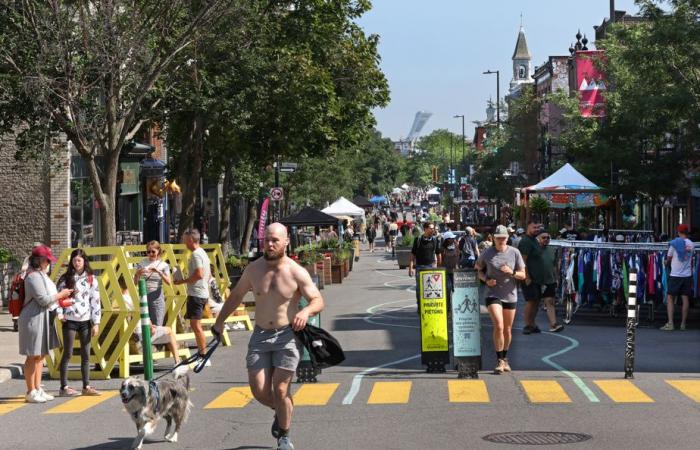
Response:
column 36, row 333
column 82, row 318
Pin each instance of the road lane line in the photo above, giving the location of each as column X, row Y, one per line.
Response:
column 623, row 391
column 235, row 397
column 9, row 404
column 575, row 378
column 467, row 391
column 314, row 394
column 545, row 391
column 390, row 393
column 82, row 403
column 689, row 388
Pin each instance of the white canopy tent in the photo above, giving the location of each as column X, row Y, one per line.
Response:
column 565, row 180
column 344, row 207
column 433, row 191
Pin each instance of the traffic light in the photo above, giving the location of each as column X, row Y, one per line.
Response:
column 435, row 174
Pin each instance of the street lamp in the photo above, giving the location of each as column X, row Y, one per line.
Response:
column 498, row 94
column 468, row 174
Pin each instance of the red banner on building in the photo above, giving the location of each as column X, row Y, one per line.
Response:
column 590, row 82
column 262, row 223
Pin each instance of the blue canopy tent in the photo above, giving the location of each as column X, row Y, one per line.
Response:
column 378, row 199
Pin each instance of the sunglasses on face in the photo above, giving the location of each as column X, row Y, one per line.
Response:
column 152, row 252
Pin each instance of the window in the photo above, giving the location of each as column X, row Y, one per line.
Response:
column 521, row 72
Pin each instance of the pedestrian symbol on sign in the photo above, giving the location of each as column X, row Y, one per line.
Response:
column 277, row 193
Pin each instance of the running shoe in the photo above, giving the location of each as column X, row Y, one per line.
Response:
column 506, row 366
column 527, row 329
column 667, row 327
column 536, row 330
column 91, row 391
column 34, row 397
column 556, row 328
column 284, row 443
column 47, row 397
column 500, row 367
column 68, row 392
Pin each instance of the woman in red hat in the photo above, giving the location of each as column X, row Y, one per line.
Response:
column 36, row 334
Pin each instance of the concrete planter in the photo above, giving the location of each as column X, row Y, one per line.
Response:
column 403, row 256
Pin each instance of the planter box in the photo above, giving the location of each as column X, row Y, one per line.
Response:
column 337, row 273
column 352, row 263
column 403, row 256
column 311, row 268
column 346, row 268
column 327, row 277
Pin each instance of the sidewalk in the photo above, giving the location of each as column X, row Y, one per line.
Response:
column 11, row 362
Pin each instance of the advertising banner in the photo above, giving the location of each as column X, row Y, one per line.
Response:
column 466, row 319
column 262, row 222
column 590, row 82
column 433, row 313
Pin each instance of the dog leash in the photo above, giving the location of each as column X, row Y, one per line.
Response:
column 201, row 359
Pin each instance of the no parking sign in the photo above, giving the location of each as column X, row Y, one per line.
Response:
column 277, row 194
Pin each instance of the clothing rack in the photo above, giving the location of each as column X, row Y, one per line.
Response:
column 642, row 246
column 613, row 230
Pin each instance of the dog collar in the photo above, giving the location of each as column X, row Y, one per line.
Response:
column 153, row 390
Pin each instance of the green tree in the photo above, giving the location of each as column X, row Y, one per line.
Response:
column 87, row 70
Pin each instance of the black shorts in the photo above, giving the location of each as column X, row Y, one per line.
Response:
column 497, row 301
column 535, row 291
column 195, row 307
column 680, row 286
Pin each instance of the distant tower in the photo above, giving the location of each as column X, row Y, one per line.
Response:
column 522, row 64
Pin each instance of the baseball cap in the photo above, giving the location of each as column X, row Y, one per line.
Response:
column 563, row 230
column 43, row 250
column 519, row 231
column 501, row 232
column 511, row 229
column 683, row 228
column 449, row 235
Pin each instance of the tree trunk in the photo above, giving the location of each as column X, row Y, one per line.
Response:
column 105, row 189
column 250, row 223
column 225, row 220
column 189, row 172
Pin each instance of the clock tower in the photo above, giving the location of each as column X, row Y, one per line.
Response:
column 522, row 64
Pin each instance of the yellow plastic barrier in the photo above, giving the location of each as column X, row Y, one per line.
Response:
column 118, row 324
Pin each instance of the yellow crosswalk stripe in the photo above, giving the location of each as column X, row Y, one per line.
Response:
column 236, row 397
column 82, row 403
column 467, row 391
column 390, row 392
column 9, row 404
column 545, row 391
column 314, row 394
column 623, row 391
column 689, row 388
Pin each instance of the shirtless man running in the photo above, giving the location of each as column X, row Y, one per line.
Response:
column 274, row 352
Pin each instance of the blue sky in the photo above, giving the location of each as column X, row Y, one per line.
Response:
column 434, row 51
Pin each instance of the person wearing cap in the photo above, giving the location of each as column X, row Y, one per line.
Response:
column 36, row 333
column 531, row 251
column 500, row 266
column 515, row 241
column 511, row 234
column 680, row 280
column 424, row 254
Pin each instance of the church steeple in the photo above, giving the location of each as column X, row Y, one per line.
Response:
column 522, row 62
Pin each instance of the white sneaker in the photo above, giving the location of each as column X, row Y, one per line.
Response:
column 34, row 397
column 284, row 443
column 47, row 397
column 208, row 363
column 227, row 328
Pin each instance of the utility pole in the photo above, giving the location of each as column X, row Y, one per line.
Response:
column 498, row 94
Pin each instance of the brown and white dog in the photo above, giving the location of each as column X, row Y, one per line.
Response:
column 146, row 403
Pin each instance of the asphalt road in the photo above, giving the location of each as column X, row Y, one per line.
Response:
column 381, row 397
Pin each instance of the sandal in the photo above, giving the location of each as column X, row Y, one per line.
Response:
column 67, row 392
column 89, row 390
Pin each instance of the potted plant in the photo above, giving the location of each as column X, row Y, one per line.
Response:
column 337, row 266
column 235, row 265
column 308, row 257
column 539, row 206
column 349, row 248
column 403, row 250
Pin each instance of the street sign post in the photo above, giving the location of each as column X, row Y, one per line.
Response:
column 466, row 323
column 288, row 167
column 277, row 194
column 432, row 287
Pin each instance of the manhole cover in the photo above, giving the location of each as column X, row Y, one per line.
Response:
column 536, row 438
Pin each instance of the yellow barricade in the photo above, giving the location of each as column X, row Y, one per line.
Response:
column 118, row 324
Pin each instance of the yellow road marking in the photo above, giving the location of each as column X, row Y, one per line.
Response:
column 82, row 403
column 467, row 391
column 390, row 392
column 9, row 404
column 314, row 394
column 623, row 391
column 236, row 397
column 689, row 388
column 545, row 391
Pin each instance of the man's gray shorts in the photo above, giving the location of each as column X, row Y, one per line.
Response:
column 273, row 348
